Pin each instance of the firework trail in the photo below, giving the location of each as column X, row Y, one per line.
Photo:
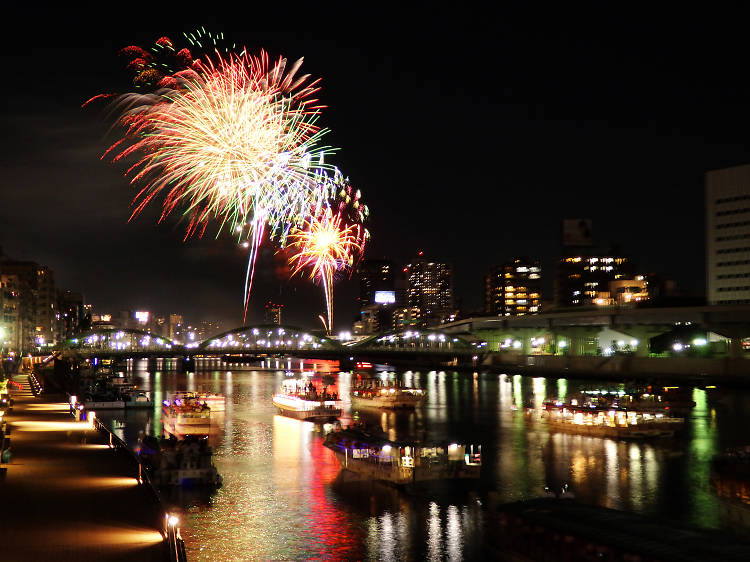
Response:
column 324, row 247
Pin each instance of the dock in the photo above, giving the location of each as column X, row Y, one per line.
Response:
column 67, row 494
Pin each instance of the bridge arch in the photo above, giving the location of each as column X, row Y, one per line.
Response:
column 117, row 339
column 267, row 336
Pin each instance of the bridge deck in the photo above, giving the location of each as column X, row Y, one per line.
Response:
column 66, row 495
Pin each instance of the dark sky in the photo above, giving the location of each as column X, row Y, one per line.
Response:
column 471, row 135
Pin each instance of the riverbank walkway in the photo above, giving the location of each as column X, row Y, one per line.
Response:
column 66, row 495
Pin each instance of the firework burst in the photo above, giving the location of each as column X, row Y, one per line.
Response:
column 232, row 139
column 324, row 247
column 235, row 141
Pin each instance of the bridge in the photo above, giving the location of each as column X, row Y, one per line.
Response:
column 253, row 342
column 645, row 341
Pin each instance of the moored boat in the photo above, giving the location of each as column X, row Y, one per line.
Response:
column 134, row 399
column 172, row 462
column 301, row 399
column 400, row 462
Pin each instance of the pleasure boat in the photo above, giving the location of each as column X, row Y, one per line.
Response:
column 217, row 402
column 374, row 393
column 184, row 416
column 589, row 419
column 302, row 400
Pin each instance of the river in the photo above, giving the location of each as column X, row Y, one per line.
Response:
column 285, row 498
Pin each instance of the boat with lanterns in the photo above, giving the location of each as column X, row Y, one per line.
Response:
column 373, row 456
column 374, row 393
column 622, row 423
column 302, row 399
column 183, row 415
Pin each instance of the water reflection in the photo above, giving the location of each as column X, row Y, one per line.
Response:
column 284, row 496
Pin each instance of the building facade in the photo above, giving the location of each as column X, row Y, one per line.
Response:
column 10, row 324
column 583, row 279
column 430, row 289
column 71, row 314
column 37, row 303
column 514, row 288
column 728, row 235
column 374, row 275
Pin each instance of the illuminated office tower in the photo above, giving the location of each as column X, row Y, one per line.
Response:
column 430, row 289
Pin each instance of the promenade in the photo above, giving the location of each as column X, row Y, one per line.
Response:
column 67, row 495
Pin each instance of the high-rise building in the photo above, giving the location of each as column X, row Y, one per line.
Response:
column 374, row 276
column 728, row 235
column 71, row 314
column 272, row 313
column 583, row 279
column 514, row 288
column 430, row 289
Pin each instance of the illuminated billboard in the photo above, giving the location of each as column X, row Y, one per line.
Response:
column 385, row 297
column 142, row 316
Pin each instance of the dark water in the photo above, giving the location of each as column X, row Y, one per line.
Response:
column 284, row 497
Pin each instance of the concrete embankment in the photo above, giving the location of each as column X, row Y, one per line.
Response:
column 67, row 495
column 688, row 369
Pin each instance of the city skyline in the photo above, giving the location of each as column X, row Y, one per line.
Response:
column 614, row 146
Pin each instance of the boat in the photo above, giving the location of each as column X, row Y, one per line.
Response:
column 373, row 393
column 185, row 416
column 173, row 462
column 136, row 399
column 372, row 455
column 217, row 402
column 647, row 398
column 302, row 400
column 622, row 423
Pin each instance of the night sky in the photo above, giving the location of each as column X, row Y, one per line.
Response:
column 471, row 137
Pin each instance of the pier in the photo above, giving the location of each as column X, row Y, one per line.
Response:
column 67, row 494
